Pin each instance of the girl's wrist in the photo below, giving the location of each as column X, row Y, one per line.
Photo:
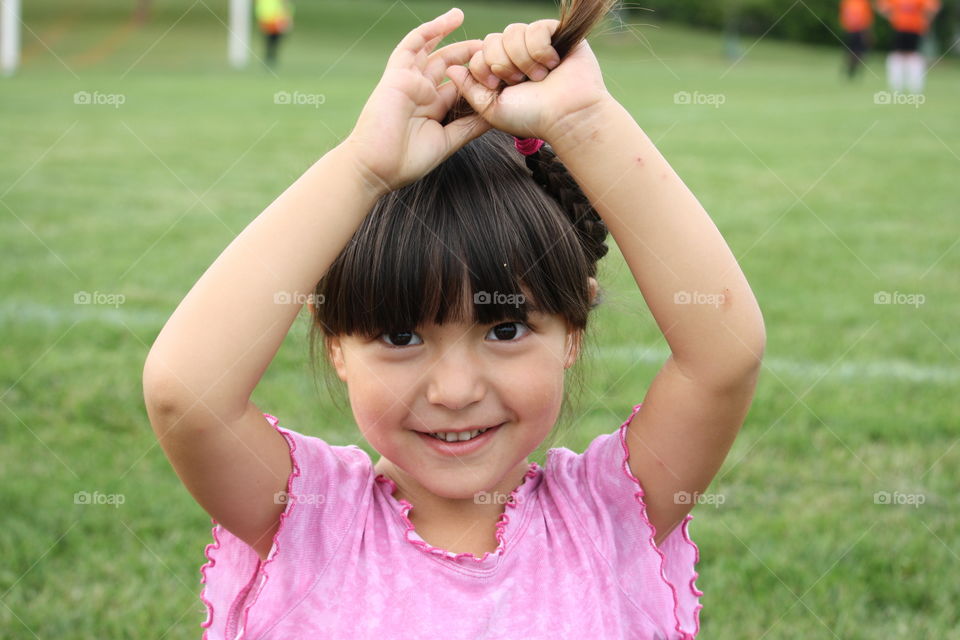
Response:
column 346, row 156
column 574, row 129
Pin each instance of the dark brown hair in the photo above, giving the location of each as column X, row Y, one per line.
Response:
column 511, row 233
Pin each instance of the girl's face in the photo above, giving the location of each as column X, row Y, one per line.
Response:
column 453, row 377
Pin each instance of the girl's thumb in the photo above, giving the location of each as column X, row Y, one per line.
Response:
column 463, row 130
column 458, row 73
column 475, row 93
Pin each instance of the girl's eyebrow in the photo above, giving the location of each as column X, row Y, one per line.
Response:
column 532, row 309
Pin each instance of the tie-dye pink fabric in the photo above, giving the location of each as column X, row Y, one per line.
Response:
column 575, row 559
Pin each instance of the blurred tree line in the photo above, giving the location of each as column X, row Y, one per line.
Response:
column 807, row 21
column 812, row 23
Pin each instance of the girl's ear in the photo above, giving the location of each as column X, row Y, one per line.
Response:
column 574, row 337
column 335, row 353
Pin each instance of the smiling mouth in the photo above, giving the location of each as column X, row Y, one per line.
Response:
column 454, row 437
column 463, row 436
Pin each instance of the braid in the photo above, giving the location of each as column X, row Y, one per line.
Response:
column 553, row 176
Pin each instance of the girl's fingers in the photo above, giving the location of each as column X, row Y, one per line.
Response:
column 422, row 92
column 430, row 44
column 463, row 130
column 496, row 56
column 448, row 93
column 515, row 44
column 481, row 71
column 475, row 93
column 538, row 38
column 418, row 39
column 456, row 53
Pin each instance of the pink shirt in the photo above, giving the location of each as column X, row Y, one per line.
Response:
column 575, row 559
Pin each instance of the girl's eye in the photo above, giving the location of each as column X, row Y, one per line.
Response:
column 400, row 339
column 508, row 331
column 504, row 332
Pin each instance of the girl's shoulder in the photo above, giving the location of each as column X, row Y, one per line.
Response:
column 600, row 499
column 313, row 451
column 327, row 483
column 603, row 458
column 327, row 487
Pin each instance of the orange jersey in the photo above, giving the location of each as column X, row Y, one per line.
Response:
column 856, row 15
column 913, row 16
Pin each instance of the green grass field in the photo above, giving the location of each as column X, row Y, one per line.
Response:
column 826, row 197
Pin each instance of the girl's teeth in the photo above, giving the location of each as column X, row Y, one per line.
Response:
column 457, row 437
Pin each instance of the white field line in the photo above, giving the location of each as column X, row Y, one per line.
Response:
column 22, row 313
column 888, row 369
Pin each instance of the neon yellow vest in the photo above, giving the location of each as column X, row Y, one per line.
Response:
column 274, row 13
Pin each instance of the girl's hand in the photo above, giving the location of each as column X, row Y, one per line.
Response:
column 398, row 137
column 530, row 109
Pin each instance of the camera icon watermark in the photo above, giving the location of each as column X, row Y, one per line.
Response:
column 96, row 98
column 85, row 497
column 496, row 497
column 685, row 497
column 496, row 297
column 697, row 297
column 897, row 97
column 912, row 299
column 99, row 297
column 290, row 297
column 888, row 498
column 299, row 98
column 715, row 100
column 282, row 497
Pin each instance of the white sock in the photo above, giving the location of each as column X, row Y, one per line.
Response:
column 916, row 68
column 895, row 64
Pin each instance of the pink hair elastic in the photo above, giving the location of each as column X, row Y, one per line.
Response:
column 527, row 146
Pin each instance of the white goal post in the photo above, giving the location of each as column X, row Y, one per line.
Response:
column 238, row 34
column 9, row 36
column 238, row 37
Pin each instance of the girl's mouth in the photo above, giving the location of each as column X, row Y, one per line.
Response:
column 463, row 436
column 449, row 443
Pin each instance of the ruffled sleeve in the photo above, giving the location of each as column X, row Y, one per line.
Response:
column 608, row 502
column 324, row 496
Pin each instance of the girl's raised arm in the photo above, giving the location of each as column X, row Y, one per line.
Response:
column 212, row 352
column 205, row 363
column 698, row 296
column 687, row 274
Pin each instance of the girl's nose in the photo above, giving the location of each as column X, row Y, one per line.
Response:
column 455, row 380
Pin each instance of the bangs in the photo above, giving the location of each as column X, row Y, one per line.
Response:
column 476, row 240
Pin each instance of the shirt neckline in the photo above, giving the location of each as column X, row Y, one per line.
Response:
column 506, row 527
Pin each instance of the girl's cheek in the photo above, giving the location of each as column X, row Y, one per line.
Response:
column 375, row 398
column 543, row 402
column 534, row 386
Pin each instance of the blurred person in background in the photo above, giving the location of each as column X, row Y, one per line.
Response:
column 856, row 18
column 911, row 20
column 275, row 18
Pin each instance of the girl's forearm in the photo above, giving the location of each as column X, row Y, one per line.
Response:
column 686, row 272
column 215, row 347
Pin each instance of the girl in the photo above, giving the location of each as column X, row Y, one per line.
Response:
column 450, row 269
